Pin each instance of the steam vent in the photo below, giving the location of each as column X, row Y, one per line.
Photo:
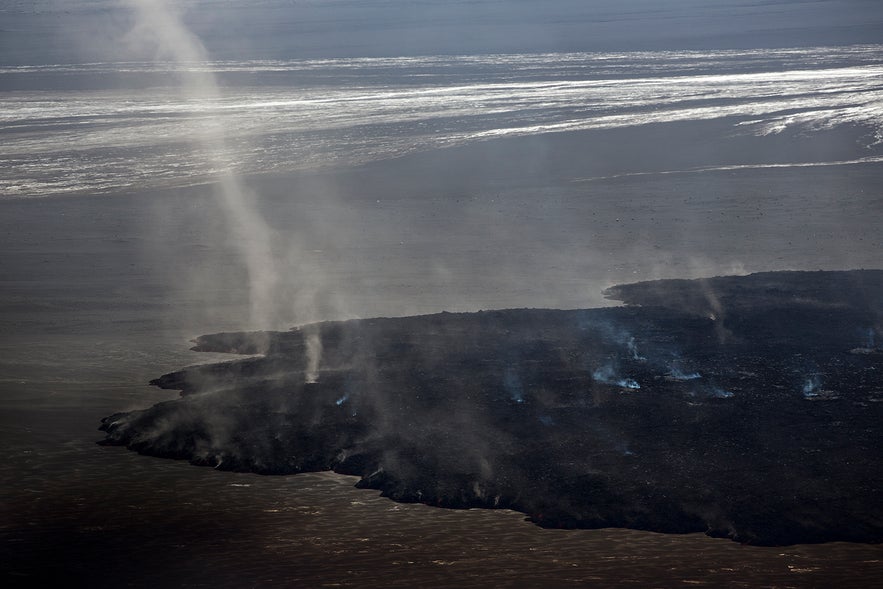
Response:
column 745, row 407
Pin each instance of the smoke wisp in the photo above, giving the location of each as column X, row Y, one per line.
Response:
column 159, row 26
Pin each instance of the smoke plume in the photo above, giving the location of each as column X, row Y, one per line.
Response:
column 160, row 28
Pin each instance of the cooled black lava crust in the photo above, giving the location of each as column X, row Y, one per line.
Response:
column 744, row 407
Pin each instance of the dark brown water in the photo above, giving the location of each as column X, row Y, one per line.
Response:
column 84, row 515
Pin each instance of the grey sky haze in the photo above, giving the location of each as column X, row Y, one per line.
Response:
column 68, row 31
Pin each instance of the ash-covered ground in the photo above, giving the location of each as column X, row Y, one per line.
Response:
column 745, row 407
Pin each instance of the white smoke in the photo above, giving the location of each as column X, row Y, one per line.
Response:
column 676, row 373
column 633, row 350
column 159, row 27
column 811, row 386
column 607, row 374
column 720, row 393
column 314, row 356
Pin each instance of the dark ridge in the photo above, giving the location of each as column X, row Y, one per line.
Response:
column 744, row 407
column 861, row 289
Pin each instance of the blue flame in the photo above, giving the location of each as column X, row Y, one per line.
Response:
column 607, row 375
column 811, row 386
column 512, row 384
column 721, row 393
column 678, row 374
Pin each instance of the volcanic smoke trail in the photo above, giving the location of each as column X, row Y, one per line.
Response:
column 159, row 23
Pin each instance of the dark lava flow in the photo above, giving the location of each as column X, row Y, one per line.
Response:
column 743, row 407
